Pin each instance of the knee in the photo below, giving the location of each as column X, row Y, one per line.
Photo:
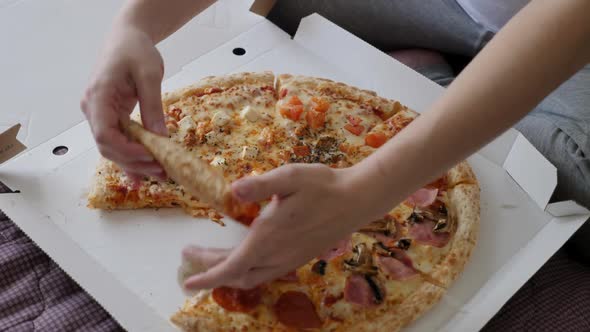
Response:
column 572, row 163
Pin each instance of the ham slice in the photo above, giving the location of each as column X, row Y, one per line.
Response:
column 423, row 232
column 342, row 247
column 387, row 241
column 358, row 291
column 423, row 197
column 395, row 268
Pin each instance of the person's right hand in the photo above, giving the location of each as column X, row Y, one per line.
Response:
column 130, row 70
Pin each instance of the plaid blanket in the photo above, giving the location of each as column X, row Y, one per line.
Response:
column 36, row 295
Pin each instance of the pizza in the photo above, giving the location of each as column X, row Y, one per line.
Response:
column 381, row 277
column 197, row 177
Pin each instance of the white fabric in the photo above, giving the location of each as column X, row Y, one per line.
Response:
column 492, row 14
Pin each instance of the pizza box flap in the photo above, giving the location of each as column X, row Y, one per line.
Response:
column 538, row 177
column 10, row 146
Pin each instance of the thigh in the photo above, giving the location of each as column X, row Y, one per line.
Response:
column 389, row 25
column 573, row 166
column 560, row 129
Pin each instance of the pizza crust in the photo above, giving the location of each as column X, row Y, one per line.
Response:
column 97, row 194
column 201, row 314
column 342, row 91
column 461, row 173
column 464, row 203
column 414, row 306
column 223, row 82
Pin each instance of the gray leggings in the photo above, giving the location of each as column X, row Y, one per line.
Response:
column 559, row 127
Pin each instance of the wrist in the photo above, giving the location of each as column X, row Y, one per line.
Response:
column 369, row 187
column 124, row 26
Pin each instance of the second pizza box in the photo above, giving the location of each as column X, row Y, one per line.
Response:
column 128, row 259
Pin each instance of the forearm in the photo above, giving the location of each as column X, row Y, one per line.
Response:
column 519, row 67
column 158, row 18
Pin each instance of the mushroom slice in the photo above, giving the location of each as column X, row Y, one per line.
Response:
column 403, row 243
column 361, row 261
column 385, row 225
column 441, row 225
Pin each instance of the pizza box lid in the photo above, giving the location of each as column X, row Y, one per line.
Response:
column 127, row 260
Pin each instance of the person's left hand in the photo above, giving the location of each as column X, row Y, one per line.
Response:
column 312, row 208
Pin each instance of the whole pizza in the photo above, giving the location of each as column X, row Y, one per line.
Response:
column 381, row 277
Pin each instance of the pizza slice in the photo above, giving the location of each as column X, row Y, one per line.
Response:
column 198, row 178
column 223, row 121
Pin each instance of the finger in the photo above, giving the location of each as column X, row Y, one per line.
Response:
column 120, row 148
column 148, row 84
column 143, row 168
column 219, row 275
column 282, row 181
column 224, row 273
column 207, row 257
column 113, row 144
column 258, row 276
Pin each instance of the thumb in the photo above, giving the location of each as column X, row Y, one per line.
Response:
column 149, row 93
column 281, row 181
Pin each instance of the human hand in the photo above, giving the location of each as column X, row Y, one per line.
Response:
column 130, row 70
column 312, row 208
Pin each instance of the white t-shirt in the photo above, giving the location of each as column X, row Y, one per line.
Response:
column 492, row 14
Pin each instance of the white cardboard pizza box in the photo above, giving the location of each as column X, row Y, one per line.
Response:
column 127, row 259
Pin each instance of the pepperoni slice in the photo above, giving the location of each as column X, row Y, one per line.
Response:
column 295, row 309
column 234, row 299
